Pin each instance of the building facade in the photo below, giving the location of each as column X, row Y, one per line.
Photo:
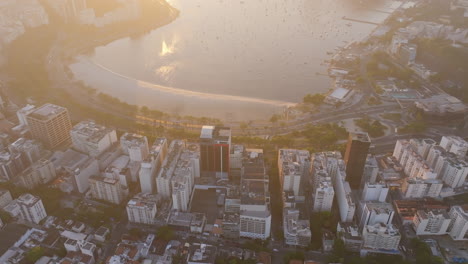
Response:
column 50, row 124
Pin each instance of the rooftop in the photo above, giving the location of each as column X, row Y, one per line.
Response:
column 339, row 93
column 360, row 136
column 294, row 161
column 143, row 200
column 91, row 131
column 202, row 253
column 46, row 112
column 28, row 199
column 215, row 133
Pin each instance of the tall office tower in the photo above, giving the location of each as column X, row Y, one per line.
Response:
column 50, row 124
column 31, row 208
column 91, row 138
column 355, row 158
column 215, row 144
column 151, row 165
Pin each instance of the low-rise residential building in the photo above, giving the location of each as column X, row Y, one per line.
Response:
column 201, row 254
column 296, row 231
column 349, row 233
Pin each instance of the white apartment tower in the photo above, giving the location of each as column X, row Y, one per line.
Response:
column 375, row 192
column 456, row 145
column 323, row 197
column 381, row 236
column 135, row 146
column 458, row 229
column 31, row 208
column 91, row 138
column 372, row 213
column 142, row 209
column 420, row 188
column 181, row 191
column 151, row 165
column 163, row 180
column 435, row 222
column 293, row 166
column 106, row 189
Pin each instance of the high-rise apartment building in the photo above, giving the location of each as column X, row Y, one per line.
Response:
column 163, row 181
column 420, row 188
column 91, row 138
column 30, row 150
column 31, row 208
column 142, row 209
column 255, row 214
column 452, row 170
column 372, row 213
column 456, row 145
column 215, row 148
column 381, row 236
column 135, row 146
column 375, row 192
column 458, row 229
column 323, row 197
column 293, row 166
column 41, row 172
column 5, row 198
column 106, row 189
column 50, row 124
column 355, row 158
column 151, row 165
column 181, row 192
column 431, row 222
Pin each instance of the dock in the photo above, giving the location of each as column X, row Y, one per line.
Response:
column 360, row 21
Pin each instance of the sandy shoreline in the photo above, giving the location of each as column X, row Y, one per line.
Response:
column 173, row 100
